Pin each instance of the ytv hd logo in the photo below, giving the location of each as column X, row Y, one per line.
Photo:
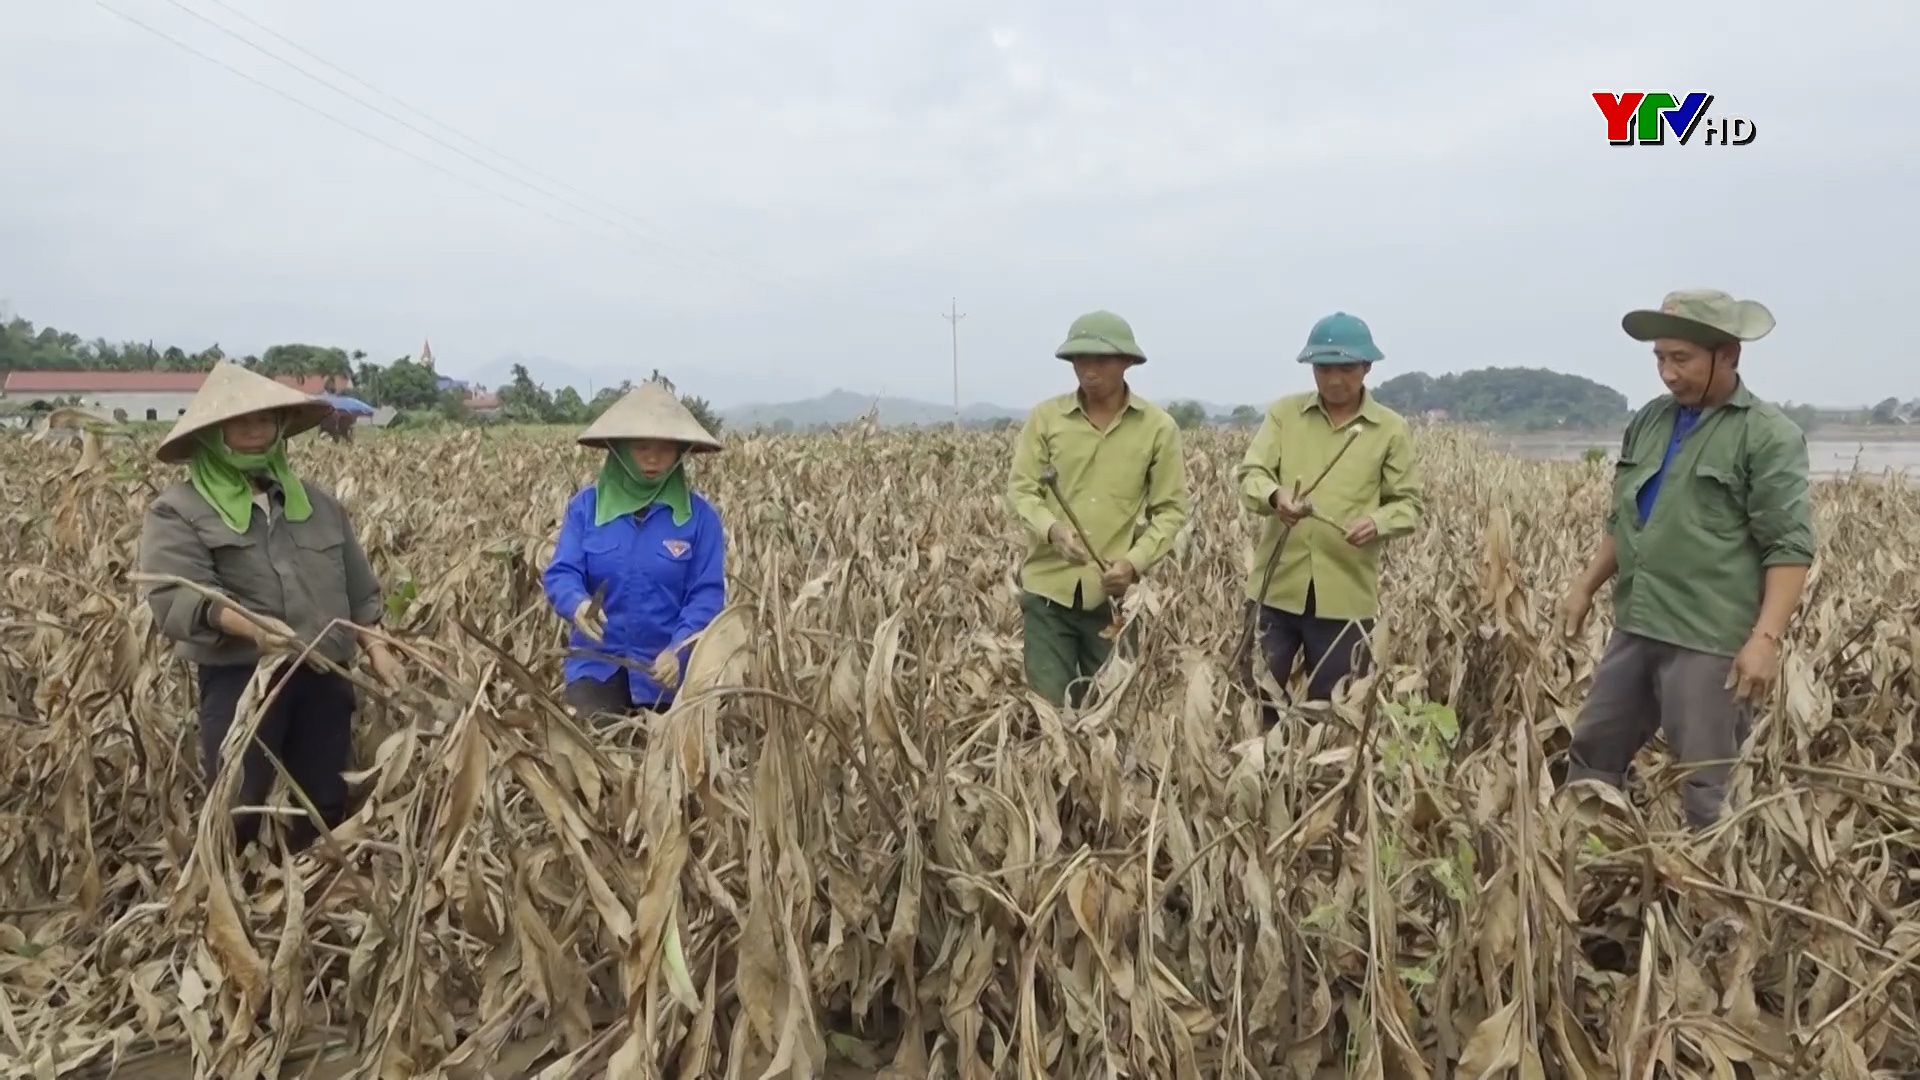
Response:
column 1645, row 117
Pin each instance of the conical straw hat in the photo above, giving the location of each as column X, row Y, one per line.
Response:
column 230, row 391
column 649, row 411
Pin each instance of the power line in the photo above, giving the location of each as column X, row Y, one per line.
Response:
column 443, row 125
column 778, row 280
column 953, row 317
column 428, row 162
column 719, row 262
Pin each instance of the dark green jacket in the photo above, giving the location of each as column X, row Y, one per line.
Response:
column 1733, row 502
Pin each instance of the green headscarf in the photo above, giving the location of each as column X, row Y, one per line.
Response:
column 221, row 477
column 621, row 490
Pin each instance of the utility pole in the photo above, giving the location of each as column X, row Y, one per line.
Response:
column 954, row 316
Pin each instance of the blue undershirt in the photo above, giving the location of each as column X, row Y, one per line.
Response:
column 1683, row 422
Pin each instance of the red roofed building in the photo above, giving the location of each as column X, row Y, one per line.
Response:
column 134, row 395
column 89, row 382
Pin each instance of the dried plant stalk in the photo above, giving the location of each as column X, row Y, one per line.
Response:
column 858, row 847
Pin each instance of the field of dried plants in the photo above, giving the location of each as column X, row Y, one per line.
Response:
column 857, row 847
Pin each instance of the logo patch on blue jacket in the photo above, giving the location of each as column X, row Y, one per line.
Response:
column 676, row 549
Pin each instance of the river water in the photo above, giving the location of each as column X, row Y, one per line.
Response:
column 1829, row 457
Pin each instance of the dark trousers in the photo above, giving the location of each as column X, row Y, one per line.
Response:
column 1332, row 648
column 607, row 699
column 1642, row 686
column 309, row 727
column 1063, row 647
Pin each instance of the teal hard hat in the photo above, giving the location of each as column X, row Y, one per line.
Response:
column 1340, row 338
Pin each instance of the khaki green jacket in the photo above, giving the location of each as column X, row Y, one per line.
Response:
column 1127, row 485
column 1377, row 477
column 306, row 574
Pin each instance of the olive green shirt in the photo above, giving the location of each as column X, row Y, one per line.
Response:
column 304, row 573
column 1377, row 477
column 1127, row 485
column 1733, row 502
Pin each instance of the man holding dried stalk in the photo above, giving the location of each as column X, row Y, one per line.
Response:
column 1334, row 473
column 1710, row 534
column 271, row 565
column 1100, row 486
column 640, row 566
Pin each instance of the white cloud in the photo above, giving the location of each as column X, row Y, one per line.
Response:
column 818, row 181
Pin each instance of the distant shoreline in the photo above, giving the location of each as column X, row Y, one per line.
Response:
column 1835, row 433
column 1832, row 453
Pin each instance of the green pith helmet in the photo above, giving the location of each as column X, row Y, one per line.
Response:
column 1341, row 338
column 1100, row 333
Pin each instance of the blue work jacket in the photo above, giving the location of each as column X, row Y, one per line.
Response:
column 664, row 582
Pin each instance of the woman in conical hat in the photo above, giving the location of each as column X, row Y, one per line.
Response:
column 283, row 555
column 641, row 560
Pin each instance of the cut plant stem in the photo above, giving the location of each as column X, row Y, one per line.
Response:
column 1050, row 476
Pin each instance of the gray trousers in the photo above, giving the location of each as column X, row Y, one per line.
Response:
column 1642, row 686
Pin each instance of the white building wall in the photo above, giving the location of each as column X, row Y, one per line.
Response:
column 164, row 406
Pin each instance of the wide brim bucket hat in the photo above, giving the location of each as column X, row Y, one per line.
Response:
column 232, row 391
column 1341, row 338
column 1100, row 333
column 649, row 411
column 1703, row 316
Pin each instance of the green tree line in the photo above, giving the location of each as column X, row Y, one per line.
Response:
column 1517, row 398
column 405, row 384
column 1529, row 399
column 25, row 346
column 524, row 401
column 1532, row 399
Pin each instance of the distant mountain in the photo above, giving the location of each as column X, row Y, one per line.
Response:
column 842, row 406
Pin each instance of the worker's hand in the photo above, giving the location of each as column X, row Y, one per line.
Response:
column 1755, row 667
column 264, row 631
column 1062, row 538
column 385, row 666
column 1573, row 611
column 1287, row 508
column 1362, row 532
column 590, row 621
column 1119, row 577
column 274, row 635
column 666, row 669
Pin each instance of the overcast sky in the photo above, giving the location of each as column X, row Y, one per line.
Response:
column 771, row 200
